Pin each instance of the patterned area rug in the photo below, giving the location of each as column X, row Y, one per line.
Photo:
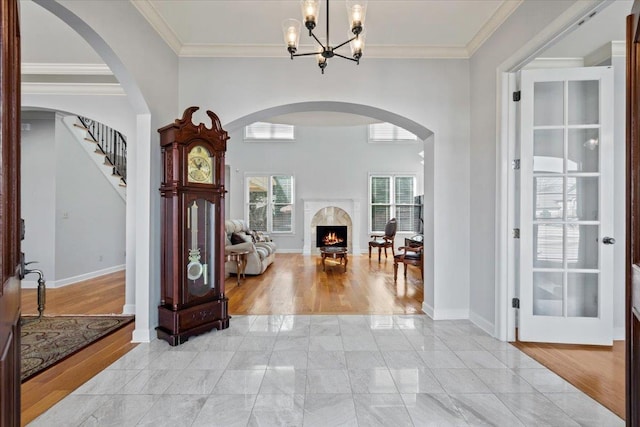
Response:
column 46, row 341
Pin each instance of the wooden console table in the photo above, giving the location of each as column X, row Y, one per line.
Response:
column 335, row 253
column 240, row 258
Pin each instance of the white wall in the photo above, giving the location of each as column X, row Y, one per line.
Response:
column 433, row 93
column 90, row 215
column 74, row 218
column 327, row 162
column 522, row 26
column 38, row 191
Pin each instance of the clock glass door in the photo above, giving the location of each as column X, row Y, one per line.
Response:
column 200, row 254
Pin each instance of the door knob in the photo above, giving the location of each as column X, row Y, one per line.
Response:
column 608, row 240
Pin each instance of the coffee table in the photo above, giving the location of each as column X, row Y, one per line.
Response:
column 335, row 253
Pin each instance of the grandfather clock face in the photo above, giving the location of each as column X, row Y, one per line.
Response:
column 200, row 166
column 200, row 247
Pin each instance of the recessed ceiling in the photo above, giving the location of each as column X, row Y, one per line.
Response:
column 394, row 28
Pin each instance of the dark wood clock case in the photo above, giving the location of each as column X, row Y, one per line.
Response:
column 192, row 299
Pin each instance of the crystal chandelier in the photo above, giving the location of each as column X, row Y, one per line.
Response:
column 356, row 10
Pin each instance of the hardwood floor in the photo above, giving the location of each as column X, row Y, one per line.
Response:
column 597, row 371
column 296, row 284
column 103, row 295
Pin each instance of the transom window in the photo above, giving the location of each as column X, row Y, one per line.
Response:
column 270, row 203
column 393, row 196
column 260, row 131
column 386, row 132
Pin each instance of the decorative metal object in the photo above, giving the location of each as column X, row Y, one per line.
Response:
column 310, row 12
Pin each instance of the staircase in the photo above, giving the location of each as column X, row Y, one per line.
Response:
column 106, row 146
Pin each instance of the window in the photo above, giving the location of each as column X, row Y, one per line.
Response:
column 259, row 131
column 270, row 203
column 386, row 132
column 393, row 196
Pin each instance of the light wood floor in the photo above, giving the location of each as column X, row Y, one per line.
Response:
column 295, row 284
column 597, row 371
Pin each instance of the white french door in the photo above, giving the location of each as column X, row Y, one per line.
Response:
column 566, row 206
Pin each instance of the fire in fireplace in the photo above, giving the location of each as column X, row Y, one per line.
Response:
column 331, row 235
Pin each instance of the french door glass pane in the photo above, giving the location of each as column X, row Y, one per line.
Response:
column 582, row 246
column 547, row 293
column 582, row 198
column 548, row 197
column 548, row 150
column 548, row 104
column 584, row 102
column 547, row 245
column 582, row 294
column 584, row 150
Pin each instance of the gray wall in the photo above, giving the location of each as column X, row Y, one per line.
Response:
column 327, row 162
column 75, row 219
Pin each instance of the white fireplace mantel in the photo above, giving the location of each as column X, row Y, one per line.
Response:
column 350, row 206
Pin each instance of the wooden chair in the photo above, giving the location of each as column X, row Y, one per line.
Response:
column 385, row 240
column 411, row 255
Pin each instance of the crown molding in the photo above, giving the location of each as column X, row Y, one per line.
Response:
column 279, row 51
column 554, row 63
column 66, row 69
column 151, row 14
column 605, row 53
column 497, row 19
column 113, row 89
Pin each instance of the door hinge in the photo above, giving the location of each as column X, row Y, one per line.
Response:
column 515, row 302
column 516, row 96
column 516, row 233
column 515, row 164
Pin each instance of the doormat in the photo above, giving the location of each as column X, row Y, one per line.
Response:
column 48, row 340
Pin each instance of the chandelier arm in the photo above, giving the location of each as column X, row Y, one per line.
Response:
column 345, row 57
column 305, row 54
column 319, row 42
column 348, row 41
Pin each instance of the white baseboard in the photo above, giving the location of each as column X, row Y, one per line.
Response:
column 427, row 309
column 619, row 334
column 141, row 335
column 445, row 314
column 482, row 323
column 52, row 284
column 289, row 251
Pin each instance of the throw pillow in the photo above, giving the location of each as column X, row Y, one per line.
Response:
column 236, row 238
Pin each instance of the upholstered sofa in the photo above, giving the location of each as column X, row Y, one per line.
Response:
column 261, row 253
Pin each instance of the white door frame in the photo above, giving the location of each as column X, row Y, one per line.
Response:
column 505, row 319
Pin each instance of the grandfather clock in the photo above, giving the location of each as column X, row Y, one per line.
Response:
column 192, row 279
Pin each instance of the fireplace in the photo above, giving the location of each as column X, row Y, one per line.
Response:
column 331, row 212
column 331, row 235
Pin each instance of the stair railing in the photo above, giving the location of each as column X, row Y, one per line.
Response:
column 111, row 143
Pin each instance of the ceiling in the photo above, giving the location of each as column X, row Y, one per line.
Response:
column 53, row 52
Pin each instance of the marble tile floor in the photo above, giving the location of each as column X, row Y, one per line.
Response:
column 326, row 370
